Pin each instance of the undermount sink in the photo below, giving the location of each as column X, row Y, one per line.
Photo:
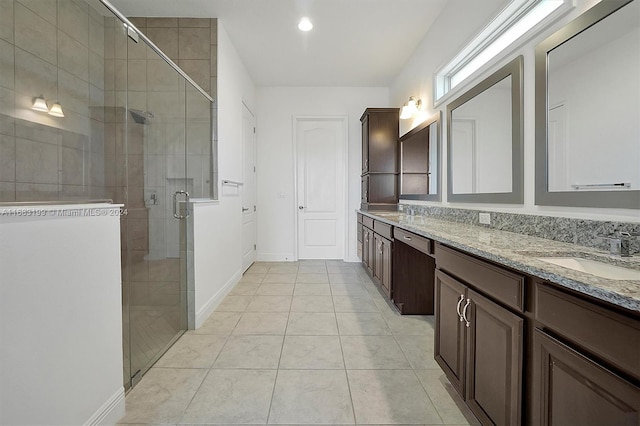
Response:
column 593, row 267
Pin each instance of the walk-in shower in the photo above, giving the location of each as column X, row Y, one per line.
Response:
column 135, row 129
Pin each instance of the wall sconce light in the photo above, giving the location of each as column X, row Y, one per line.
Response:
column 410, row 108
column 56, row 110
column 40, row 104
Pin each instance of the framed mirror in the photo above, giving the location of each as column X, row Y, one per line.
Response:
column 588, row 110
column 485, row 140
column 420, row 158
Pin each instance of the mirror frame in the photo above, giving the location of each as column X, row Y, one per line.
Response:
column 437, row 120
column 610, row 199
column 516, row 196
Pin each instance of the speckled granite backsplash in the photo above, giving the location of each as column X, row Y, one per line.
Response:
column 576, row 231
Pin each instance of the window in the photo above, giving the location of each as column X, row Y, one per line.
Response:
column 511, row 24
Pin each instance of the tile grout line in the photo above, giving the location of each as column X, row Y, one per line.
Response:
column 284, row 336
column 226, row 340
column 344, row 363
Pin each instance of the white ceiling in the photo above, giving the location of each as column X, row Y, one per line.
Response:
column 353, row 42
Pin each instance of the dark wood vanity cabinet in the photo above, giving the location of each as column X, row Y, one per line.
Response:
column 382, row 270
column 556, row 358
column 572, row 389
column 360, row 237
column 413, row 273
column 586, row 362
column 518, row 349
column 368, row 254
column 377, row 252
column 479, row 341
column 380, row 163
column 479, row 345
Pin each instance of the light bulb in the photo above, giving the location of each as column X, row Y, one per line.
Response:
column 406, row 112
column 305, row 24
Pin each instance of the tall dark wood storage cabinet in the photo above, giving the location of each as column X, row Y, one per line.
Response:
column 380, row 161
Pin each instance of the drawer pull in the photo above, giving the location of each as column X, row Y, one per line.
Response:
column 458, row 307
column 464, row 312
column 407, row 238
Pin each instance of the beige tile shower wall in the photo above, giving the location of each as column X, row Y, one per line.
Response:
column 55, row 49
column 192, row 44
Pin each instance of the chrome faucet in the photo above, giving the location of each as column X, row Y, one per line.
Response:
column 625, row 243
column 620, row 245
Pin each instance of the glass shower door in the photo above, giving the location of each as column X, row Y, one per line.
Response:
column 155, row 195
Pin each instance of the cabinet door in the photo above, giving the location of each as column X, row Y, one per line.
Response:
column 365, row 247
column 377, row 264
column 386, row 265
column 371, row 252
column 494, row 361
column 571, row 389
column 364, row 191
column 383, row 142
column 449, row 332
column 360, row 241
column 365, row 144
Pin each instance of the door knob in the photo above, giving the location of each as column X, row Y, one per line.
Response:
column 300, row 207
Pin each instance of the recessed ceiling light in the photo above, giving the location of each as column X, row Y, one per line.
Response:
column 305, row 24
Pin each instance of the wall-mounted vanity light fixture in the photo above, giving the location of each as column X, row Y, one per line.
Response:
column 56, row 110
column 40, row 104
column 411, row 108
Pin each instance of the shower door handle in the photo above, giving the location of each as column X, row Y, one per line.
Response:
column 175, row 204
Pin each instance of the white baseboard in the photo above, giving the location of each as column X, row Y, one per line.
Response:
column 212, row 304
column 110, row 412
column 275, row 257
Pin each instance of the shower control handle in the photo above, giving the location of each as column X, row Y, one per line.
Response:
column 175, row 204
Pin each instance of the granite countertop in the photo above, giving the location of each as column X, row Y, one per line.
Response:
column 521, row 252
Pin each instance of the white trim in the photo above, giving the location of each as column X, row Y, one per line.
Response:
column 110, row 412
column 254, row 122
column 276, row 257
column 345, row 176
column 507, row 19
column 216, row 299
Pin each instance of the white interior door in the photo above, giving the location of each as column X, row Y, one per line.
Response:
column 321, row 187
column 249, row 188
column 463, row 150
column 558, row 178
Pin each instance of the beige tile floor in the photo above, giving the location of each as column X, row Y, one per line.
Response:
column 311, row 342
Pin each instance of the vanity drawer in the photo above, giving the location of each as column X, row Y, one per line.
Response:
column 419, row 243
column 367, row 221
column 504, row 286
column 609, row 335
column 383, row 229
column 359, row 218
